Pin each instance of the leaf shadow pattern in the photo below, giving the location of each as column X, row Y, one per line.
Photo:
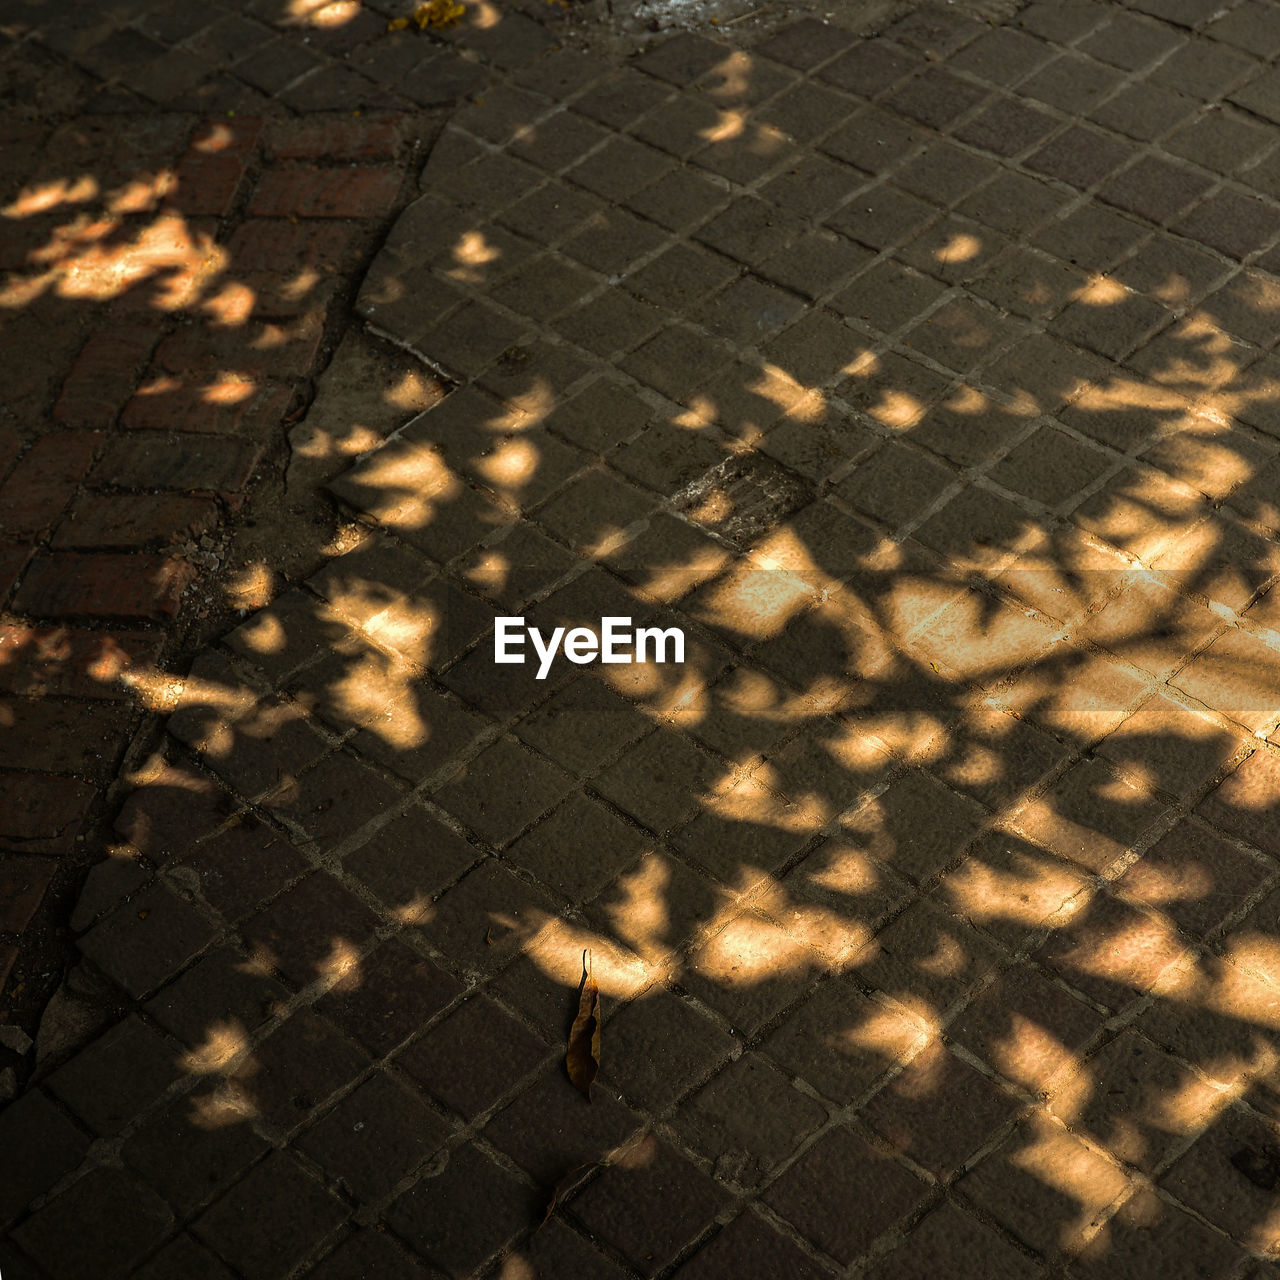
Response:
column 938, row 878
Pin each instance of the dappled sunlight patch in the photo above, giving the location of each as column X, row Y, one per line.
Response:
column 894, row 1031
column 747, row 949
column 510, row 465
column 557, row 951
column 753, row 602
column 228, row 1104
column 252, row 588
column 961, row 246
column 472, row 253
column 158, row 691
column 220, row 1052
column 1101, row 291
column 1001, row 883
column 325, row 14
column 49, row 195
column 639, row 914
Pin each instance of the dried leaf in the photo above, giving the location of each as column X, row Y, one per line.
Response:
column 567, row 1183
column 438, row 14
column 398, row 24
column 583, row 1057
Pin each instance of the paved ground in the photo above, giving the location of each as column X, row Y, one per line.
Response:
column 924, row 378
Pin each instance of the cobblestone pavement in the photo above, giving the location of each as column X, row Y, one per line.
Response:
column 925, row 379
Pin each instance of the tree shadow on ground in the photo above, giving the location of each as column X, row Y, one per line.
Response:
column 938, row 876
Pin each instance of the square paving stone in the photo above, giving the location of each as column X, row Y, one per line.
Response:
column 475, row 1056
column 306, row 932
column 1195, row 876
column 225, row 987
column 550, row 1129
column 409, row 861
column 1246, row 803
column 271, row 1219
column 52, row 1145
column 1028, row 1028
column 334, row 799
column 143, row 942
column 487, row 917
column 297, row 1067
column 660, row 781
column 372, row 1252
column 386, row 996
column 908, row 1111
column 439, row 1219
column 1090, row 816
column 578, row 848
column 1111, row 952
column 242, row 866
column 582, row 725
column 928, row 957
column 187, row 1159
column 99, row 1226
column 502, row 791
column 374, row 1136
column 748, row 1120
column 649, row 1205
column 660, row 1046
column 841, row 1168
column 138, row 1062
column 749, row 1243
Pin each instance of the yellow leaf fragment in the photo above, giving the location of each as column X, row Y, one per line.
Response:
column 582, row 1059
column 438, row 14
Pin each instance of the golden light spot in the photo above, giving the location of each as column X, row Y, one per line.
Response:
column 749, row 950
column 1101, row 291
column 898, row 409
column 227, row 1105
column 640, row 916
column 229, row 388
column 231, row 306
column 225, row 1042
column 323, row 13
column 156, row 690
column 557, row 951
column 472, row 252
column 252, row 588
column 961, row 247
column 341, row 964
column 510, row 465
column 41, row 199
column 731, row 124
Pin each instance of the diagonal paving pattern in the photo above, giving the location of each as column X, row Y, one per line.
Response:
column 925, row 380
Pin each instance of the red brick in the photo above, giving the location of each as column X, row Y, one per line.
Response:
column 100, row 521
column 63, row 584
column 10, row 446
column 104, row 374
column 70, row 661
column 210, row 173
column 42, row 484
column 356, row 192
column 23, row 881
column 224, row 406
column 186, row 464
column 42, row 813
column 268, row 244
column 329, row 138
column 13, row 559
column 61, row 735
column 281, row 350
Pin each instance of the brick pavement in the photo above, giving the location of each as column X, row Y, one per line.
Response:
column 926, row 380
